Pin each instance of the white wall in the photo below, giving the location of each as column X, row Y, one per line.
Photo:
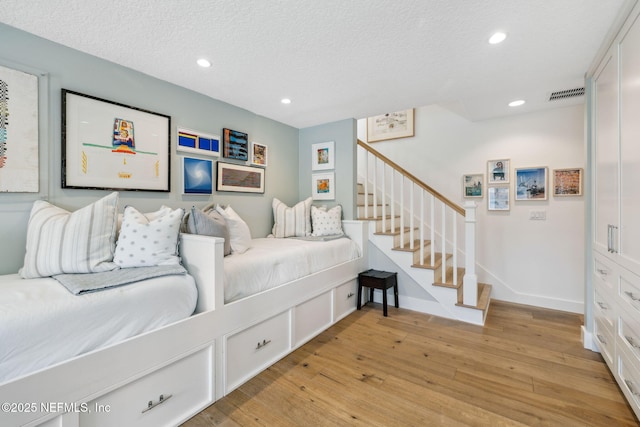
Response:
column 531, row 262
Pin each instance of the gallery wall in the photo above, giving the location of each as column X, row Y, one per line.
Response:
column 537, row 262
column 59, row 67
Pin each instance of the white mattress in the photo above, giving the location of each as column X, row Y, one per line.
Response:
column 41, row 323
column 272, row 262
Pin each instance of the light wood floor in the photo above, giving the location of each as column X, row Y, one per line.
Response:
column 525, row 367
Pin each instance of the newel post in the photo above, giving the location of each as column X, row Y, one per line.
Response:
column 470, row 280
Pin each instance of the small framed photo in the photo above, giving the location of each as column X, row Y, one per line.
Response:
column 567, row 182
column 498, row 198
column 197, row 176
column 498, row 171
column 531, row 183
column 323, row 186
column 196, row 142
column 472, row 185
column 239, row 178
column 399, row 124
column 235, row 145
column 323, row 156
column 258, row 154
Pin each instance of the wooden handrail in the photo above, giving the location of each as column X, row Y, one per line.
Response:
column 459, row 209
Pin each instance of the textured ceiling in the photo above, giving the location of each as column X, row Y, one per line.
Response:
column 339, row 59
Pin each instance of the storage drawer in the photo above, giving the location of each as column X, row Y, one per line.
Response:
column 604, row 275
column 629, row 378
column 345, row 299
column 254, row 349
column 604, row 309
column 311, row 318
column 186, row 386
column 629, row 334
column 630, row 292
column 604, row 340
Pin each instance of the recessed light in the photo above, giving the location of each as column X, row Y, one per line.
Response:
column 285, row 101
column 204, row 63
column 497, row 38
column 517, row 103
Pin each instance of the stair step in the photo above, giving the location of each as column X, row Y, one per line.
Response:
column 437, row 261
column 376, row 218
column 448, row 279
column 396, row 232
column 407, row 246
column 484, row 298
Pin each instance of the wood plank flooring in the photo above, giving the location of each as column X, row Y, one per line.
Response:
column 525, row 367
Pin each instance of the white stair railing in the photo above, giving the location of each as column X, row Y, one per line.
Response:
column 435, row 215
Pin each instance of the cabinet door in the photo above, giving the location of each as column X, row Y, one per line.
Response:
column 629, row 248
column 606, row 152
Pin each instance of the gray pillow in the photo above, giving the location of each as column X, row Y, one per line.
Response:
column 209, row 223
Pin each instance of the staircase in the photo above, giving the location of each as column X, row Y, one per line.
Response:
column 427, row 236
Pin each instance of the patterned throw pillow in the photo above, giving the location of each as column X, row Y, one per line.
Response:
column 326, row 222
column 291, row 222
column 59, row 241
column 208, row 222
column 239, row 233
column 145, row 242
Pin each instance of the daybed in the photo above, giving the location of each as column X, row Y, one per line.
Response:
column 166, row 375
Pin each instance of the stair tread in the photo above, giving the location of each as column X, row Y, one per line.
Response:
column 427, row 261
column 484, row 298
column 448, row 279
column 407, row 246
column 393, row 233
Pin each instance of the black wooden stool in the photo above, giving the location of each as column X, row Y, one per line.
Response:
column 375, row 279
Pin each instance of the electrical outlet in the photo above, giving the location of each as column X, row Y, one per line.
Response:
column 538, row 215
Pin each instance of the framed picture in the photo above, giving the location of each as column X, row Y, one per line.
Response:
column 235, row 144
column 197, row 176
column 323, row 186
column 472, row 185
column 531, row 183
column 112, row 146
column 390, row 126
column 498, row 171
column 567, row 182
column 498, row 198
column 195, row 142
column 18, row 132
column 322, row 156
column 239, row 178
column 258, row 154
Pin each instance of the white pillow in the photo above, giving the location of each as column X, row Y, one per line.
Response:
column 326, row 222
column 59, row 241
column 291, row 222
column 145, row 242
column 239, row 233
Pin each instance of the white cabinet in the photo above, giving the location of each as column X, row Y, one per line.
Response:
column 615, row 148
column 311, row 318
column 344, row 301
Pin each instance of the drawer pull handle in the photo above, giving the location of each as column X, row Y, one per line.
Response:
column 602, row 305
column 160, row 401
column 350, row 295
column 601, row 339
column 631, row 387
column 632, row 342
column 632, row 296
column 262, row 344
column 602, row 271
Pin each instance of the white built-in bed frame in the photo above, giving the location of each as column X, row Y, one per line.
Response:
column 166, row 376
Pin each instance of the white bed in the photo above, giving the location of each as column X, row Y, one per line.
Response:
column 42, row 323
column 194, row 361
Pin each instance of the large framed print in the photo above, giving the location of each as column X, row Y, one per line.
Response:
column 112, row 146
column 239, row 178
column 531, row 183
column 18, row 132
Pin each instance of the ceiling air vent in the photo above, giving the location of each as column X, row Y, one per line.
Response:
column 567, row 93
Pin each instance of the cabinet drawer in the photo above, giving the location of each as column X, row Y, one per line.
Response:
column 604, row 274
column 345, row 299
column 311, row 318
column 630, row 292
column 604, row 309
column 604, row 340
column 629, row 334
column 186, row 386
column 629, row 378
column 254, row 349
